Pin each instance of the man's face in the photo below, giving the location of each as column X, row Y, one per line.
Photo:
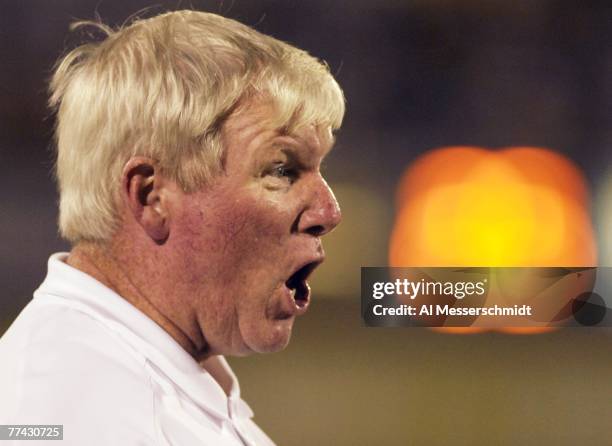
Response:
column 248, row 242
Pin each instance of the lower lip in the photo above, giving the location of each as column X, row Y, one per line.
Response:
column 290, row 306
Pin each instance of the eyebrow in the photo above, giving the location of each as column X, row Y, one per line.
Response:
column 300, row 153
column 328, row 143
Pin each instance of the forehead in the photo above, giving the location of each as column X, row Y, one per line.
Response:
column 255, row 125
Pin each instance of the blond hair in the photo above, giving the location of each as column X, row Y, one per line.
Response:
column 161, row 88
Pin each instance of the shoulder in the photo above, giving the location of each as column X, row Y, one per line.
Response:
column 62, row 366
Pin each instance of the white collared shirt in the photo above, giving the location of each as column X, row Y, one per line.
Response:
column 81, row 356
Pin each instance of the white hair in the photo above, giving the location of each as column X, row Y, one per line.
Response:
column 162, row 88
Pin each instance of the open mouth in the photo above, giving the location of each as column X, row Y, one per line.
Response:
column 298, row 284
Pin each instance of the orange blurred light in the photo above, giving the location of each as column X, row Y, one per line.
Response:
column 514, row 207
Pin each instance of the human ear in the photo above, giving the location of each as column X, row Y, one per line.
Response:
column 143, row 193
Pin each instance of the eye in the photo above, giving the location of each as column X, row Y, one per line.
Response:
column 283, row 171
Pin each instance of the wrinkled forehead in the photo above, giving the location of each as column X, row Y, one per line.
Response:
column 264, row 114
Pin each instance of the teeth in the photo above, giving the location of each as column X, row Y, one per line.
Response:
column 292, row 293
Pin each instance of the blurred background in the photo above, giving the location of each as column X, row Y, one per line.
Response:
column 417, row 75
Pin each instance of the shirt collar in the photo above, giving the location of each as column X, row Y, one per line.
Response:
column 151, row 342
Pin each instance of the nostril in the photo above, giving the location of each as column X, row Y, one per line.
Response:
column 316, row 230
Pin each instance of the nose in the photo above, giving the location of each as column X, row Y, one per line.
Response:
column 322, row 213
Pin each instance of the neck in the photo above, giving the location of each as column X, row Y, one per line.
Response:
column 104, row 265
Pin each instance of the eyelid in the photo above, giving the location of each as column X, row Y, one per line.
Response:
column 288, row 157
column 289, row 172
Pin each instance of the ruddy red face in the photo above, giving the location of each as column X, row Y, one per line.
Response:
column 250, row 240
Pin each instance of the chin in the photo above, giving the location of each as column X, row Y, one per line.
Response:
column 274, row 339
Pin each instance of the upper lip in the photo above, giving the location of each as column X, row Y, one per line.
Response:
column 298, row 280
column 311, row 264
column 316, row 257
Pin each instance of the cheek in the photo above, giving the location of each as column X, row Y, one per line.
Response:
column 236, row 242
column 253, row 233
